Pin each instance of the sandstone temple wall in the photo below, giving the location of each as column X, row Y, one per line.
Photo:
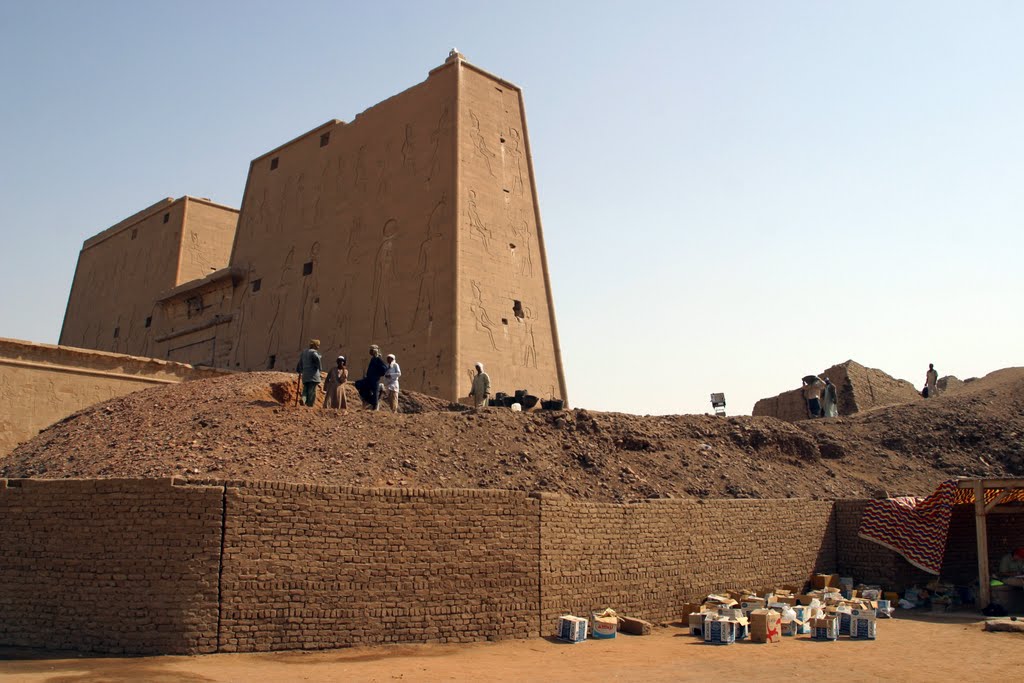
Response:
column 41, row 384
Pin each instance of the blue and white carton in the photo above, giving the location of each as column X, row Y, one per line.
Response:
column 572, row 629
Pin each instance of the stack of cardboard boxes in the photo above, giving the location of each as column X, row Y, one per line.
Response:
column 823, row 613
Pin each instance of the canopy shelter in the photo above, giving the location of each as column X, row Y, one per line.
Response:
column 991, row 497
column 917, row 528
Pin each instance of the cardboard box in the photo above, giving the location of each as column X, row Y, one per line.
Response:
column 604, row 626
column 819, row 581
column 690, row 608
column 825, row 628
column 893, row 598
column 862, row 624
column 805, row 599
column 696, row 624
column 572, row 629
column 765, row 626
column 751, row 604
column 844, row 622
column 791, row 627
column 719, row 631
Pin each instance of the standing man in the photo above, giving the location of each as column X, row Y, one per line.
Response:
column 829, row 400
column 334, row 387
column 812, row 395
column 931, row 379
column 369, row 386
column 391, row 376
column 481, row 390
column 309, row 370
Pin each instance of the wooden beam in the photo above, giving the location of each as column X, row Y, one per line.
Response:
column 999, row 500
column 981, row 535
column 1006, row 510
column 992, row 483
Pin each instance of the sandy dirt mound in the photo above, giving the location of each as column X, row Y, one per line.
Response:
column 247, row 426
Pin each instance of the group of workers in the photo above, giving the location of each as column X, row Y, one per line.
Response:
column 822, row 401
column 379, row 383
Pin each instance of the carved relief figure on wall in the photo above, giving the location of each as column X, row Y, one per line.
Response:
column 439, row 133
column 279, row 305
column 513, row 162
column 426, row 270
column 524, row 244
column 483, row 320
column 476, row 223
column 310, row 295
column 384, row 276
column 483, row 149
column 409, row 150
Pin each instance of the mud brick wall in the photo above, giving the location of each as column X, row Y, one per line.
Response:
column 647, row 559
column 109, row 565
column 311, row 567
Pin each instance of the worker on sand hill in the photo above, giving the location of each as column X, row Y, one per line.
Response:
column 369, row 386
column 829, row 402
column 481, row 390
column 334, row 386
column 391, row 376
column 811, row 390
column 931, row 380
column 309, row 371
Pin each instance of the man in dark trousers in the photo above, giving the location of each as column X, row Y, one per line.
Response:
column 369, row 386
column 309, row 370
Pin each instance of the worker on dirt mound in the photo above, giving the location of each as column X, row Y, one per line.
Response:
column 829, row 402
column 481, row 390
column 931, row 380
column 309, row 372
column 334, row 386
column 391, row 382
column 811, row 390
column 369, row 386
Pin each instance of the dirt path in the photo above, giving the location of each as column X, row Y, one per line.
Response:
column 909, row 649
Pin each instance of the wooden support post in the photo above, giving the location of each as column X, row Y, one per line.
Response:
column 981, row 533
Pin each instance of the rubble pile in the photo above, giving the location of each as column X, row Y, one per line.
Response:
column 248, row 426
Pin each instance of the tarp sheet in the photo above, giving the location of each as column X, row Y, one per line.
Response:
column 917, row 528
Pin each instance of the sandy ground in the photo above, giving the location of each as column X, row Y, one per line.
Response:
column 910, row 649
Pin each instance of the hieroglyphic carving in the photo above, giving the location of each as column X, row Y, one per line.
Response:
column 480, row 144
column 439, row 133
column 310, row 293
column 483, row 320
column 513, row 162
column 524, row 244
column 279, row 303
column 476, row 223
column 383, row 277
column 426, row 272
column 409, row 150
column 530, row 345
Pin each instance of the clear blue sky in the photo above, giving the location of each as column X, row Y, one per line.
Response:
column 734, row 194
